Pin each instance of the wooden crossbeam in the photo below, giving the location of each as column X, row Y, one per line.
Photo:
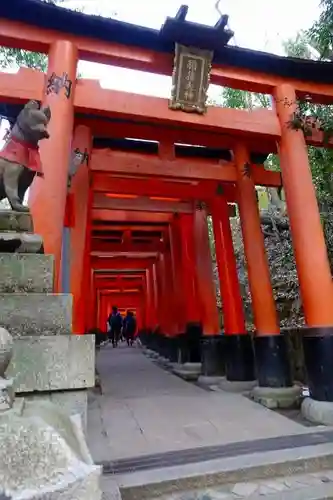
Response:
column 154, row 187
column 130, row 217
column 259, row 125
column 141, row 165
column 121, row 263
column 110, row 247
column 102, row 201
column 18, row 35
column 123, row 227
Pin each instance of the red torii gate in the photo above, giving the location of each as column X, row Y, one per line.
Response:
column 178, row 265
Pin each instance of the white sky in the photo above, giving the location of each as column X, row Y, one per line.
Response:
column 258, row 25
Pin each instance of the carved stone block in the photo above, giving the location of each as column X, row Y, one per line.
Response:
column 55, row 363
column 26, row 273
column 36, row 313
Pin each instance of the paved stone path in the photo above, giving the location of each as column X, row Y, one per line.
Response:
column 144, row 410
column 297, row 487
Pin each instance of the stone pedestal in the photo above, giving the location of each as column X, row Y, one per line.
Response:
column 16, row 233
column 277, row 397
column 187, row 371
column 241, row 386
column 47, row 359
column 43, row 452
column 318, row 412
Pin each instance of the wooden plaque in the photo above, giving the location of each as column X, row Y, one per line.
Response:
column 190, row 79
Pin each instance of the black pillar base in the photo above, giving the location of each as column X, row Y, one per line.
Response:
column 318, row 355
column 193, row 335
column 182, row 352
column 272, row 361
column 239, row 358
column 212, row 356
column 173, row 349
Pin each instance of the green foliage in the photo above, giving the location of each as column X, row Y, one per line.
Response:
column 10, row 58
column 300, row 46
column 321, row 32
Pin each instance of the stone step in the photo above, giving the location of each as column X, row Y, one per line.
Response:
column 290, row 474
column 36, row 313
column 53, row 363
column 28, row 273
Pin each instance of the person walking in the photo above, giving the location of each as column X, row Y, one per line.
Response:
column 129, row 327
column 115, row 321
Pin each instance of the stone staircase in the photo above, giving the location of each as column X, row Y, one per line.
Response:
column 301, row 473
column 43, row 452
column 48, row 361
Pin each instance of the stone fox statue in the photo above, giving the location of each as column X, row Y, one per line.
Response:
column 19, row 159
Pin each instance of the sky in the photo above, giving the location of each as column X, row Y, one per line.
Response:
column 257, row 24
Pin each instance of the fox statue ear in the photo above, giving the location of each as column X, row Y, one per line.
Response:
column 47, row 112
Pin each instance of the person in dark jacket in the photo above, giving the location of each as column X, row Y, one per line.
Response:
column 129, row 327
column 115, row 321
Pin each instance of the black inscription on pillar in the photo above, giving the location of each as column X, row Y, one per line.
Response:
column 247, row 170
column 56, row 83
column 84, row 156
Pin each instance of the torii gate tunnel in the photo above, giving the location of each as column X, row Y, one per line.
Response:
column 136, row 212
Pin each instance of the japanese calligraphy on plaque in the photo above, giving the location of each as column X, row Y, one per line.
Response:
column 56, row 83
column 190, row 79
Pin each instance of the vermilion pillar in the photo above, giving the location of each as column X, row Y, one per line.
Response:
column 80, row 232
column 188, row 268
column 270, row 348
column 150, row 302
column 161, row 290
column 312, row 263
column 162, row 294
column 170, row 306
column 155, row 292
column 91, row 303
column 175, row 253
column 204, row 272
column 264, row 311
column 102, row 312
column 47, row 198
column 191, row 304
column 239, row 352
column 233, row 313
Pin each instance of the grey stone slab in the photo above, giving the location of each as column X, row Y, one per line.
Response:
column 244, row 489
column 36, row 313
column 15, row 221
column 110, row 490
column 71, row 402
column 319, row 412
column 214, row 473
column 26, row 273
column 53, row 363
